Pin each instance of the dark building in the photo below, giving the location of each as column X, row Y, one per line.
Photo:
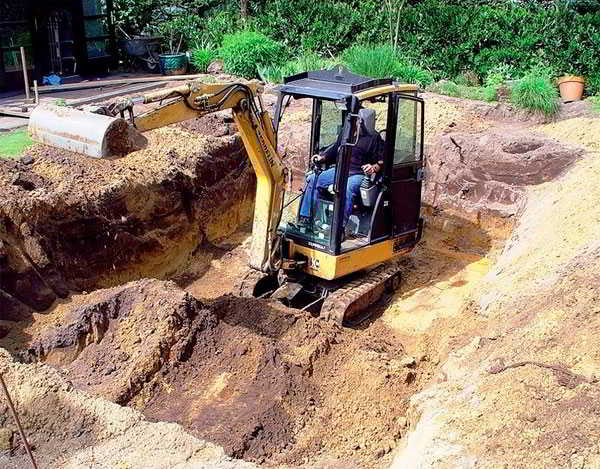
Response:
column 64, row 37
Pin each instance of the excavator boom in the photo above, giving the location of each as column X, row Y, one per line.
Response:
column 114, row 131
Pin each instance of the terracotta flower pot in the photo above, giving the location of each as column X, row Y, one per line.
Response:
column 571, row 88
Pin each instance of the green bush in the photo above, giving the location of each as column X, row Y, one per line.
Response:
column 499, row 74
column 245, row 51
column 450, row 36
column 325, row 27
column 201, row 58
column 383, row 62
column 215, row 25
column 495, row 40
column 592, row 85
column 180, row 33
column 536, row 92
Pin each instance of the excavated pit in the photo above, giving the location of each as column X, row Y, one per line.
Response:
column 268, row 384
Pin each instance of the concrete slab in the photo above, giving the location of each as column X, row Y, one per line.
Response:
column 10, row 123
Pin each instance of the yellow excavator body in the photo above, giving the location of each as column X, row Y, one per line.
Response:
column 338, row 279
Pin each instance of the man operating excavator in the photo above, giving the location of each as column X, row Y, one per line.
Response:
column 366, row 159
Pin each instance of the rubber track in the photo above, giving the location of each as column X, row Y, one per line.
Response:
column 347, row 302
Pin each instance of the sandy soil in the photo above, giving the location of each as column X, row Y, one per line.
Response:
column 518, row 382
column 272, row 377
column 473, row 363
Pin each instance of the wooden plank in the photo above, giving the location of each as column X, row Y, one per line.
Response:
column 112, row 94
column 25, row 76
column 11, row 112
column 89, row 99
column 122, row 81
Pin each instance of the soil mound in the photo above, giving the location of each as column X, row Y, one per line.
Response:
column 69, row 223
column 69, row 429
column 260, row 380
column 521, row 383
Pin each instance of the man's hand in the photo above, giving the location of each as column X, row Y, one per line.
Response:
column 371, row 168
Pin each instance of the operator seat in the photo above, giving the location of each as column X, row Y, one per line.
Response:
column 369, row 189
column 368, row 118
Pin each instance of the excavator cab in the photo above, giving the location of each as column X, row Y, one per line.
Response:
column 386, row 210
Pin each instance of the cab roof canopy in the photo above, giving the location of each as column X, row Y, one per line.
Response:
column 337, row 83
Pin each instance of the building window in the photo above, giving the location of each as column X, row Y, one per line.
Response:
column 94, row 7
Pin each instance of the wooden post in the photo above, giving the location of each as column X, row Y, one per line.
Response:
column 35, row 92
column 16, row 417
column 25, row 76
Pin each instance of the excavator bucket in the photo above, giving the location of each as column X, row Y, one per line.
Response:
column 93, row 135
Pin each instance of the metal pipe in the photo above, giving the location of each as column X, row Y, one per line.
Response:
column 16, row 417
column 35, row 92
column 25, row 76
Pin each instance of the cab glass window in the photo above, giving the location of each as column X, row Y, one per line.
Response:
column 331, row 125
column 408, row 131
column 380, row 106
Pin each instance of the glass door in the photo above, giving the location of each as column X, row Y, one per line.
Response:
column 407, row 170
column 96, row 25
column 14, row 33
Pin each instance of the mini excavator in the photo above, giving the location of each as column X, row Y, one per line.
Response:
column 315, row 267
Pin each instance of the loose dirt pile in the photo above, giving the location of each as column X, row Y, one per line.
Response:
column 260, row 380
column 68, row 429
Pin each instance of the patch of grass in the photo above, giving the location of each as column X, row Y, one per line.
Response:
column 595, row 102
column 479, row 93
column 446, row 87
column 302, row 63
column 536, row 92
column 201, row 58
column 14, row 143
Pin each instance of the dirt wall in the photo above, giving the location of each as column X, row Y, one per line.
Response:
column 69, row 223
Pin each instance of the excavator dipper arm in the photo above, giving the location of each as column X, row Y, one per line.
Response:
column 257, row 133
